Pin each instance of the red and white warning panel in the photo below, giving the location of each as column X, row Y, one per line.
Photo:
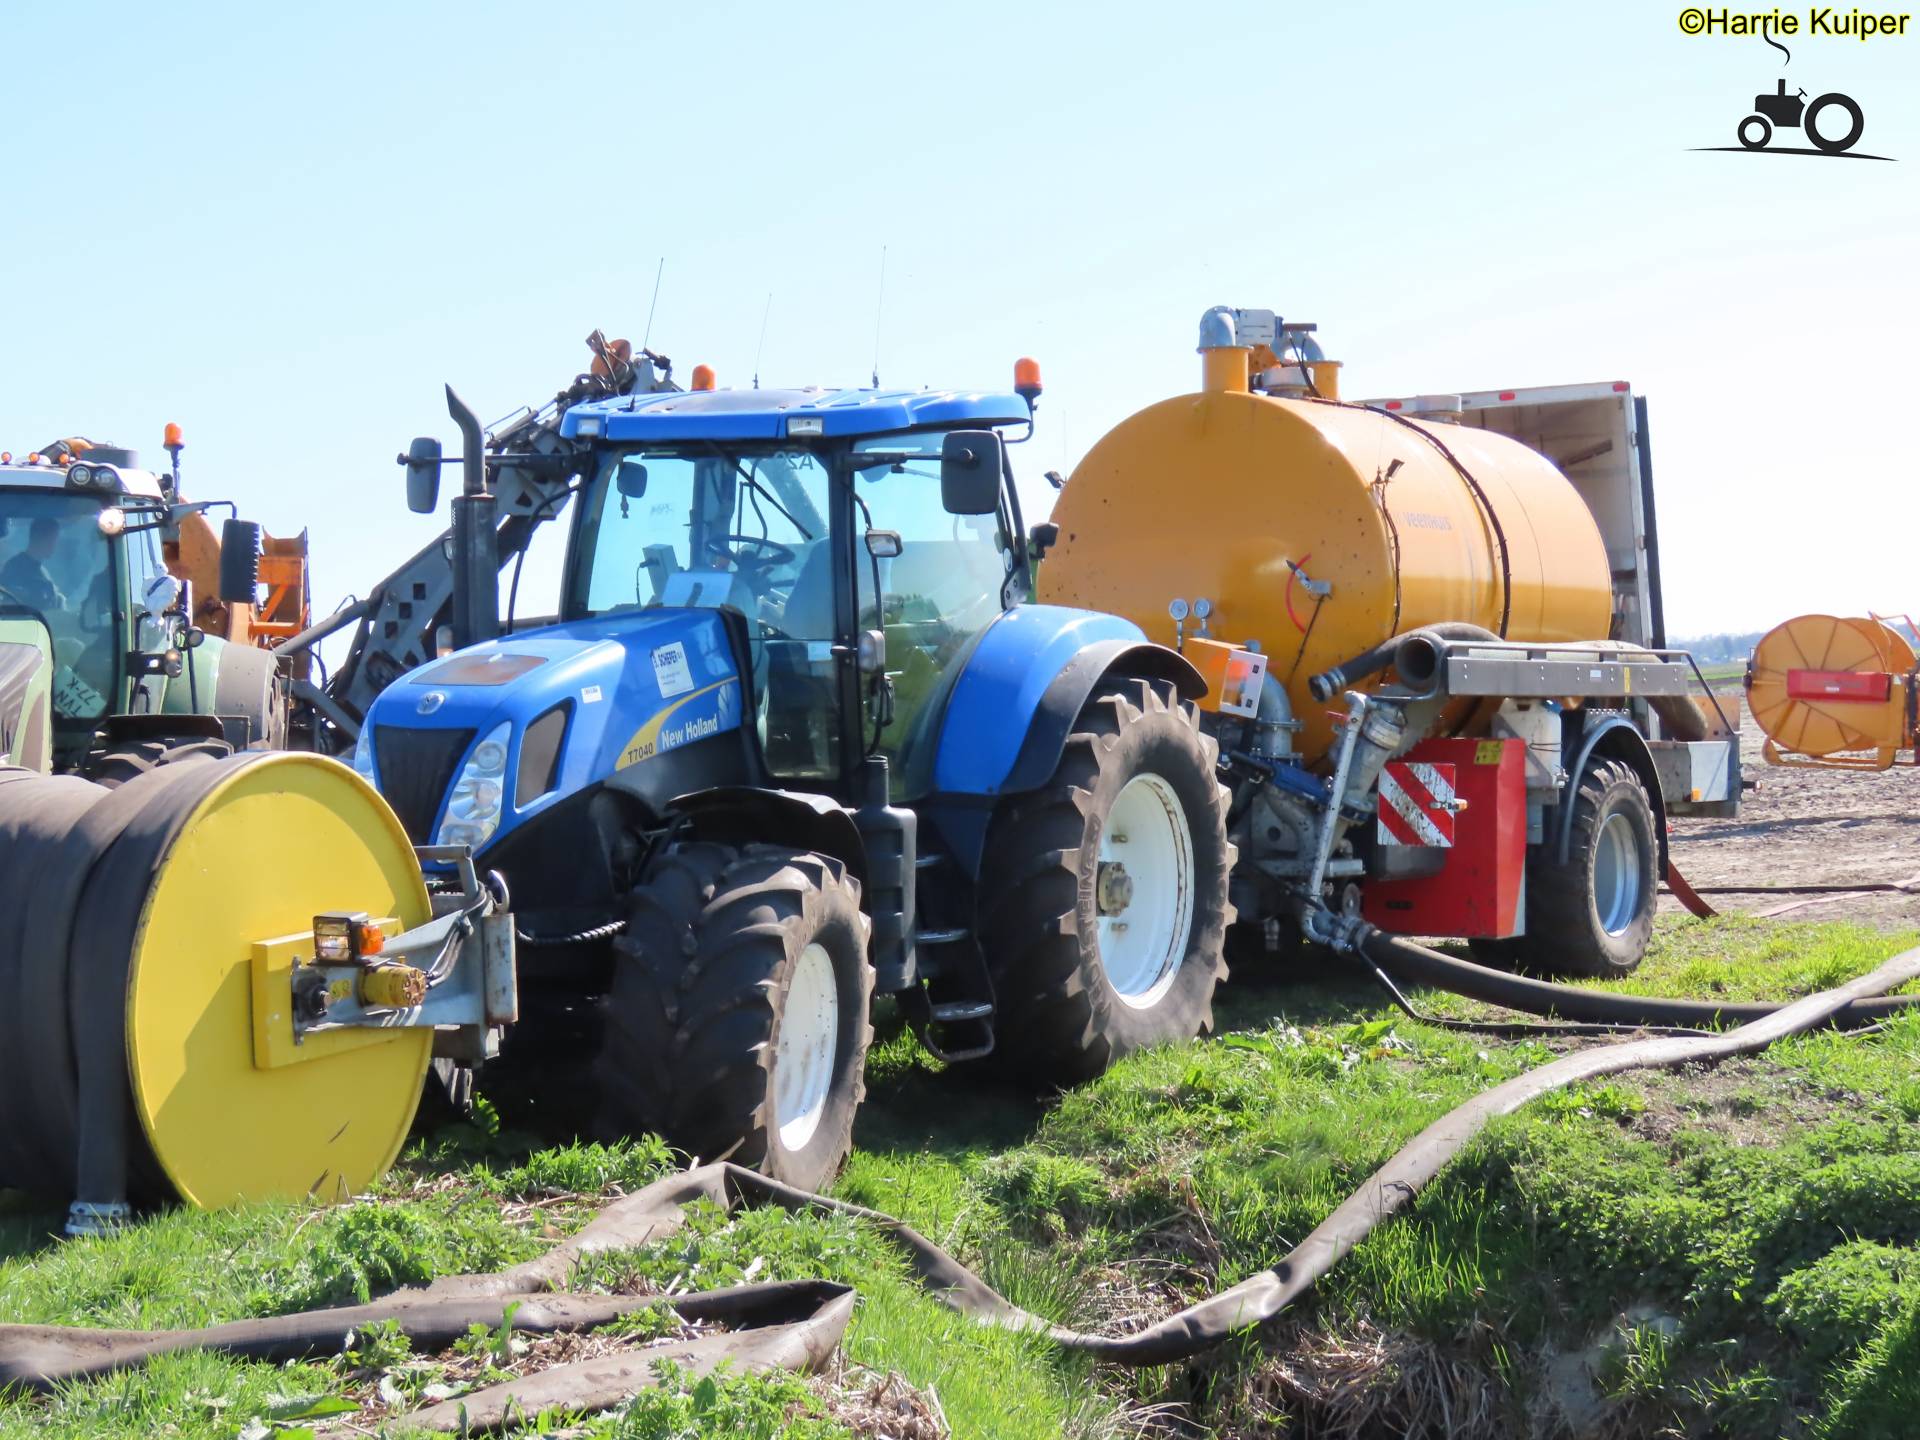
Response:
column 1467, row 798
column 1417, row 804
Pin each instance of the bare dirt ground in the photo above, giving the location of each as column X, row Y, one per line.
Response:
column 1810, row 827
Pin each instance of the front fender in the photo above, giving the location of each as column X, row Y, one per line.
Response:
column 1011, row 710
column 753, row 814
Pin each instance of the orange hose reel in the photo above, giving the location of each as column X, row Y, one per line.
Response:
column 1833, row 692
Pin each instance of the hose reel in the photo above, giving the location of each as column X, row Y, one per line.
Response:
column 151, row 1045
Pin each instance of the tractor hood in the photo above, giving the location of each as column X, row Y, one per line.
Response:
column 472, row 746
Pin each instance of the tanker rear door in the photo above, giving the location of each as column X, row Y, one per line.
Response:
column 1597, row 435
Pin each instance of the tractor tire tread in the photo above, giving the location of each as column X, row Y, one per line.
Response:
column 1054, row 1023
column 694, row 1005
column 114, row 765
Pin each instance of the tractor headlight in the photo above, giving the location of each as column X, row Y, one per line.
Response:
column 363, row 754
column 473, row 808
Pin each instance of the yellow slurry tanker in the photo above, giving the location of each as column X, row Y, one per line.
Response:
column 1434, row 633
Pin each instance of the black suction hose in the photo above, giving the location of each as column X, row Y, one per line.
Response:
column 1417, row 965
column 1417, row 648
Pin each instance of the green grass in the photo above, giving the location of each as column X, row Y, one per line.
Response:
column 1736, row 1250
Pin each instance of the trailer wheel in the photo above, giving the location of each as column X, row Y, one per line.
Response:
column 1594, row 914
column 114, row 765
column 1104, row 898
column 736, row 1025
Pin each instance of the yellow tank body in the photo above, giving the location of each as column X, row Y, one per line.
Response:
column 1221, row 494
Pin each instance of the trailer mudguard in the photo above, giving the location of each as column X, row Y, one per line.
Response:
column 1012, row 708
column 1617, row 738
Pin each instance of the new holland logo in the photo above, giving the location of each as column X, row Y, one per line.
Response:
column 670, row 729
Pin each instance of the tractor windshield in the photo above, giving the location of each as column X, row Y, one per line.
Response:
column 55, row 564
column 743, row 530
column 712, row 527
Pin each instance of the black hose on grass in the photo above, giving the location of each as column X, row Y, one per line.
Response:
column 1504, row 1029
column 1414, row 964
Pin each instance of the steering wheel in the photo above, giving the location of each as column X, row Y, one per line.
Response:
column 774, row 552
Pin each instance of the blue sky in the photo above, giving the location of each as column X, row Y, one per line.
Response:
column 284, row 227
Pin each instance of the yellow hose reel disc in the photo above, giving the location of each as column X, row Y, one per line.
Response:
column 279, row 841
column 1823, row 686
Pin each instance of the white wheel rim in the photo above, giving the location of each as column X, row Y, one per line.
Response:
column 803, row 1055
column 1616, row 874
column 1143, row 943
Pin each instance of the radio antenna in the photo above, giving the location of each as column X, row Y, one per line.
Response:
column 879, row 309
column 658, row 272
column 763, row 340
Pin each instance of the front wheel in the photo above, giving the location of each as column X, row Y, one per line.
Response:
column 736, row 1025
column 1754, row 132
column 1104, row 896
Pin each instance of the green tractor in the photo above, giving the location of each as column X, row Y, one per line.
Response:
column 105, row 667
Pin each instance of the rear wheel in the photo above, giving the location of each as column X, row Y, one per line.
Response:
column 1104, row 898
column 736, row 1025
column 1593, row 915
column 1856, row 122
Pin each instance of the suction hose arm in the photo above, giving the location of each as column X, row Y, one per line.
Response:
column 1416, row 655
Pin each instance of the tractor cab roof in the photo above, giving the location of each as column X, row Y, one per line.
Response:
column 770, row 414
column 141, row 483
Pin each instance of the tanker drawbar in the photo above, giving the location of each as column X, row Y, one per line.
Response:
column 1431, row 630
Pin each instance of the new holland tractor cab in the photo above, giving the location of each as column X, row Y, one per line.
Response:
column 103, row 668
column 796, row 738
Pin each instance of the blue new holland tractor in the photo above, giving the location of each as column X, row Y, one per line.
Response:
column 796, row 738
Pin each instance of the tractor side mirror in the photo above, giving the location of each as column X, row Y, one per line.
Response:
column 239, row 561
column 970, row 464
column 631, row 480
column 423, row 475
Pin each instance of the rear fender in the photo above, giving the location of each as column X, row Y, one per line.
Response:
column 1010, row 712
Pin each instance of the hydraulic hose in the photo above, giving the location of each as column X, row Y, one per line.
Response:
column 1414, row 964
column 1416, row 647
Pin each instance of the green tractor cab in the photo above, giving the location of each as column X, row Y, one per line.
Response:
column 102, row 672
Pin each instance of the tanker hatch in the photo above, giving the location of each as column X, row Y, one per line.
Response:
column 1242, row 350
